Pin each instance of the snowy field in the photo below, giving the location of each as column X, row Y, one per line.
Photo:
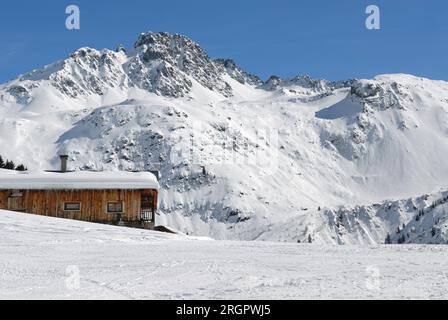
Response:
column 41, row 258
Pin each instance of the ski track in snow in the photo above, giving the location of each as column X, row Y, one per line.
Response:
column 124, row 263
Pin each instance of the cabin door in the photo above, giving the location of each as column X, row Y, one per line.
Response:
column 147, row 207
column 15, row 201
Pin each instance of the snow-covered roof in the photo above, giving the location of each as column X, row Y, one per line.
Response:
column 77, row 180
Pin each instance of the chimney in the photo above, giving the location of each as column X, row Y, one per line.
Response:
column 64, row 160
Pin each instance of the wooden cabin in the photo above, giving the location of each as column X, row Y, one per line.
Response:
column 122, row 198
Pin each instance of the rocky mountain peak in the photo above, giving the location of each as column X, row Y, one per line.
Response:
column 173, row 59
column 234, row 71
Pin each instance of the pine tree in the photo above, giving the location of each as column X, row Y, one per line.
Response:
column 10, row 165
column 402, row 239
column 20, row 167
column 310, row 240
column 388, row 241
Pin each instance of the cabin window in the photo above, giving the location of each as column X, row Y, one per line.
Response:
column 147, row 201
column 72, row 206
column 115, row 207
column 16, row 194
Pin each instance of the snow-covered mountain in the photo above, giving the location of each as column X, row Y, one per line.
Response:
column 286, row 159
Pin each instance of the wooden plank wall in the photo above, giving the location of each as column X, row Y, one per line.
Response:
column 93, row 203
column 4, row 199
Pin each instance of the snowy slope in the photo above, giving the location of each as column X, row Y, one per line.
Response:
column 50, row 258
column 239, row 158
column 415, row 220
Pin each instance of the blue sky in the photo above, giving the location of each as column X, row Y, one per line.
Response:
column 322, row 38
